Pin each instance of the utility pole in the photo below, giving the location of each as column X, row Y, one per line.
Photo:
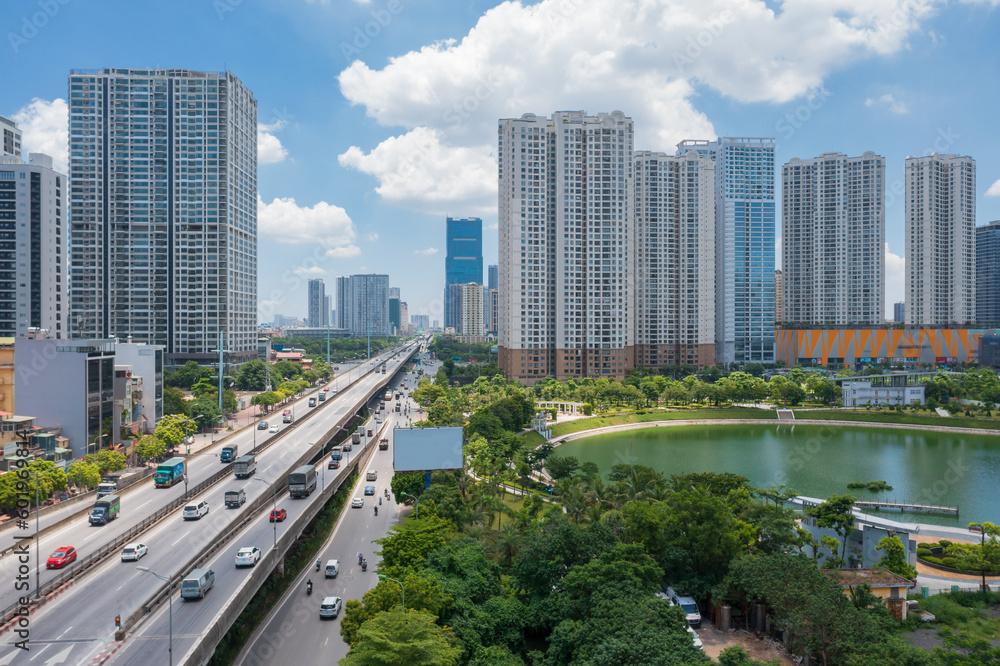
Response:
column 221, row 351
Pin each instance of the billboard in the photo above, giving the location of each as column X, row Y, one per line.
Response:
column 420, row 449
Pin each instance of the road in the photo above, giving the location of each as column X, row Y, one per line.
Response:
column 293, row 633
column 81, row 621
column 190, row 619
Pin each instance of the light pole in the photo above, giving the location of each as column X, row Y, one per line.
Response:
column 38, row 566
column 416, row 503
column 187, row 449
column 274, row 507
column 170, row 603
column 402, row 592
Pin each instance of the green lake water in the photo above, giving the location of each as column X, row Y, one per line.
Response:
column 817, row 461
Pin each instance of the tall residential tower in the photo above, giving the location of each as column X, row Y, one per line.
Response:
column 163, row 209
column 833, row 234
column 463, row 263
column 940, row 240
column 566, row 245
column 988, row 274
column 675, row 259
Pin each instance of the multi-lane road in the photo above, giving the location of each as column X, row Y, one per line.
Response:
column 293, row 632
column 80, row 622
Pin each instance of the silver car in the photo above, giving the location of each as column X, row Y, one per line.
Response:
column 330, row 607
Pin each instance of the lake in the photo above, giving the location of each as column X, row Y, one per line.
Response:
column 922, row 467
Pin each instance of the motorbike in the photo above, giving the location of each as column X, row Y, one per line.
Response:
column 360, row 559
column 376, row 511
column 309, row 588
column 364, row 565
column 317, row 565
column 380, row 501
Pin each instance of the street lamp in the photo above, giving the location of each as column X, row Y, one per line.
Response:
column 187, row 449
column 402, row 592
column 38, row 566
column 416, row 503
column 274, row 507
column 170, row 603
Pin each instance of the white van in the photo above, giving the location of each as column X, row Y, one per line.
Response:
column 332, row 569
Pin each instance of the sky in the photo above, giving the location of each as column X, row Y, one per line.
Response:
column 378, row 118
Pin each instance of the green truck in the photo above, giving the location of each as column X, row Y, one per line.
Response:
column 105, row 510
column 169, row 472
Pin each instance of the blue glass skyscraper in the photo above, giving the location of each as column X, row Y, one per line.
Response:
column 744, row 247
column 464, row 261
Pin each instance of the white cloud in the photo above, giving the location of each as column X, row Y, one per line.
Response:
column 644, row 58
column 286, row 222
column 343, row 252
column 427, row 252
column 44, row 126
column 372, row 238
column 269, row 148
column 994, row 190
column 310, row 270
column 895, row 279
column 888, row 101
column 417, row 171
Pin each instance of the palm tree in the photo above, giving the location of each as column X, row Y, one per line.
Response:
column 508, row 542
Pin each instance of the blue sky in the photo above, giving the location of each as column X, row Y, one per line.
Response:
column 379, row 118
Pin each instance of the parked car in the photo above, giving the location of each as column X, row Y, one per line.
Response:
column 369, row 490
column 273, row 428
column 247, row 557
column 330, row 607
column 357, row 502
column 278, row 515
column 262, row 425
column 134, row 552
column 61, row 557
column 688, row 605
column 196, row 511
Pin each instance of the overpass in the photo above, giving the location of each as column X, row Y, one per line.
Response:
column 78, row 619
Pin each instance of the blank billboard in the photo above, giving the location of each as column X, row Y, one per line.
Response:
column 419, row 449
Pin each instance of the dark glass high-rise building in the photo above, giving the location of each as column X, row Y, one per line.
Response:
column 464, row 261
column 988, row 274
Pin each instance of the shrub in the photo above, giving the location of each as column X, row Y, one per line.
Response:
column 949, row 562
column 932, row 560
column 923, row 552
column 944, row 543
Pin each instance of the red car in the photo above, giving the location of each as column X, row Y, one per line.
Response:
column 327, row 388
column 61, row 557
column 278, row 515
column 333, row 464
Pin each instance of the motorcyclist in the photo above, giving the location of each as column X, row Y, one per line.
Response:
column 309, row 586
column 364, row 565
column 360, row 558
column 317, row 565
column 376, row 511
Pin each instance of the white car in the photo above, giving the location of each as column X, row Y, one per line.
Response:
column 330, row 607
column 196, row 511
column 133, row 552
column 247, row 557
column 273, row 428
column 357, row 502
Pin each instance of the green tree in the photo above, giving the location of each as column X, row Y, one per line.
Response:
column 411, row 638
column 83, row 474
column 410, row 483
column 985, row 558
column 894, row 558
column 150, row 447
column 835, row 513
column 107, row 460
column 407, row 545
column 252, row 376
column 561, row 467
column 205, row 412
column 173, row 429
column 423, row 593
column 174, row 401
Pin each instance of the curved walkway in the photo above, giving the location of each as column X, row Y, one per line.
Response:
column 559, row 439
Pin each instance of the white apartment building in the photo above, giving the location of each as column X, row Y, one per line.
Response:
column 343, row 301
column 32, row 247
column 566, row 248
column 833, row 235
column 493, row 307
column 10, row 138
column 470, row 298
column 163, row 210
column 369, row 305
column 744, row 246
column 675, row 259
column 940, row 240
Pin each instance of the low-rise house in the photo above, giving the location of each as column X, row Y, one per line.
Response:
column 885, row 585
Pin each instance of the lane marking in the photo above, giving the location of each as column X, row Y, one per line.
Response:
column 181, row 538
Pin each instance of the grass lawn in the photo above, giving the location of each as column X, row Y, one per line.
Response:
column 888, row 416
column 962, row 611
column 677, row 415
